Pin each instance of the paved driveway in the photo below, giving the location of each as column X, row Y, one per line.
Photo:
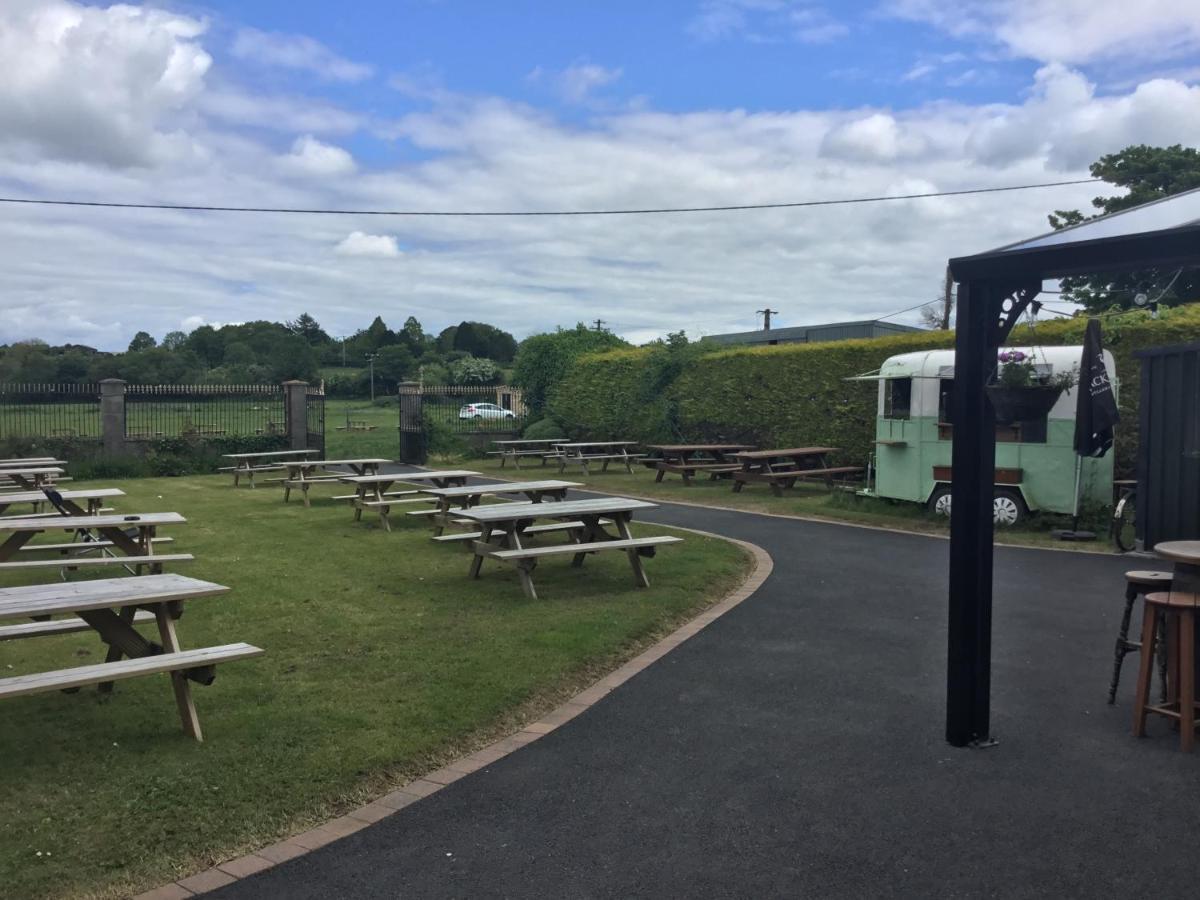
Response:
column 794, row 748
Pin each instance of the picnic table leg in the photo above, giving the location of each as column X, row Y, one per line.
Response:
column 361, row 498
column 304, row 486
column 635, row 560
column 287, row 491
column 590, row 532
column 485, row 537
column 115, row 652
column 16, row 541
column 628, row 462
column 183, row 693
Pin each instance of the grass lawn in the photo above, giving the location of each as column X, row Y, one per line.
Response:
column 383, row 442
column 811, row 500
column 383, row 661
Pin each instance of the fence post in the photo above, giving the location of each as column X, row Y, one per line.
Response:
column 295, row 406
column 112, row 416
column 412, row 424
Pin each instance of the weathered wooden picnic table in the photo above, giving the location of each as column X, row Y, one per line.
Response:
column 26, row 478
column 783, row 468
column 266, row 461
column 375, row 491
column 111, row 608
column 515, row 450
column 93, row 497
column 584, row 452
column 6, row 464
column 451, row 499
column 688, row 460
column 504, row 528
column 304, row 473
column 132, row 535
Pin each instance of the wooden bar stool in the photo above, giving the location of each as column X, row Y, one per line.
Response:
column 1138, row 583
column 1178, row 610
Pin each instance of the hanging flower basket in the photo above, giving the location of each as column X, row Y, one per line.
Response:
column 1022, row 404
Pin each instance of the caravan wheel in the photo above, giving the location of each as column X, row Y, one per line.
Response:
column 939, row 500
column 1008, row 509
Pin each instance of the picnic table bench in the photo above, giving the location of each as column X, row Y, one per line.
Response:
column 781, row 469
column 504, row 525
column 688, row 460
column 27, row 478
column 111, row 608
column 93, row 497
column 357, row 425
column 516, row 449
column 6, row 464
column 134, row 536
column 584, row 452
column 450, row 499
column 374, row 492
column 266, row 461
column 304, row 473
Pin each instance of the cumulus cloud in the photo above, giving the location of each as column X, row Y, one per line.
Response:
column 311, row 157
column 1067, row 31
column 98, row 85
column 359, row 243
column 297, row 52
column 577, row 82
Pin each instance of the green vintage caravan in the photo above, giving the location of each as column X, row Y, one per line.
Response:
column 1035, row 462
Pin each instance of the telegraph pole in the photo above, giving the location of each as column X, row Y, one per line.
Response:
column 766, row 314
column 371, row 360
column 599, row 324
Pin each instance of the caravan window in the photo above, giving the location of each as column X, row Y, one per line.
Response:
column 897, row 398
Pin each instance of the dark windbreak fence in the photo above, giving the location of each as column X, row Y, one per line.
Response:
column 50, row 411
column 218, row 410
column 468, row 409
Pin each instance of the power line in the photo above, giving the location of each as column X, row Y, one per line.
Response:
column 187, row 207
column 901, row 312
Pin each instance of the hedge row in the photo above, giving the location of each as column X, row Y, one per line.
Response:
column 797, row 395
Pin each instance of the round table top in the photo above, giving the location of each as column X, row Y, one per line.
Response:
column 1179, row 551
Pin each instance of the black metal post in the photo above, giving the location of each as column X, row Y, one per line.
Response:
column 968, row 670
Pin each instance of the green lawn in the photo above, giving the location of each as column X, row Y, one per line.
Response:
column 383, row 442
column 383, row 661
column 811, row 500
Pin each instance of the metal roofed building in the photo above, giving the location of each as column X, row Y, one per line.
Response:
column 812, row 334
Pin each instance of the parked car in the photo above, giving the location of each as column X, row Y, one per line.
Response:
column 485, row 411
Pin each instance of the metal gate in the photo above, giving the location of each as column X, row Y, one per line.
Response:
column 314, row 409
column 1168, row 501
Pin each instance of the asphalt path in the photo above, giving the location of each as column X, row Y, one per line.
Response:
column 795, row 748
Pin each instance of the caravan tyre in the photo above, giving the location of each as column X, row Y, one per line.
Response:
column 939, row 500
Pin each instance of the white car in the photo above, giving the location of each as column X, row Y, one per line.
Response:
column 485, row 411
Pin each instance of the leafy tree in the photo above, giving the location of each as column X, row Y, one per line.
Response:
column 393, row 365
column 208, row 344
column 378, row 335
column 173, row 340
column 142, row 341
column 412, row 335
column 470, row 370
column 482, row 340
column 446, row 338
column 543, row 360
column 306, row 326
column 1148, row 173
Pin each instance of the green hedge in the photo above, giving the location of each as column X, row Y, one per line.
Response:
column 796, row 394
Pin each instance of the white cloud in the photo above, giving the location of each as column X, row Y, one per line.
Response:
column 311, row 157
column 766, row 20
column 297, row 52
column 98, row 85
column 576, row 83
column 1067, row 31
column 359, row 243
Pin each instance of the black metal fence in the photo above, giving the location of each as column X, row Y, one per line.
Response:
column 1168, row 497
column 314, row 410
column 463, row 409
column 205, row 410
column 50, row 411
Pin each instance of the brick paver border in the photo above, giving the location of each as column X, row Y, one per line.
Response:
column 299, row 844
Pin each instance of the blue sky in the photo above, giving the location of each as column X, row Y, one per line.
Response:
column 527, row 105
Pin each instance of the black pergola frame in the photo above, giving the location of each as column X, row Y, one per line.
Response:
column 994, row 290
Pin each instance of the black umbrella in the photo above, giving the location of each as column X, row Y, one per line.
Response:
column 1095, row 415
column 1095, row 406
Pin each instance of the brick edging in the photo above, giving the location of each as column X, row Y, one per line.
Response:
column 299, row 844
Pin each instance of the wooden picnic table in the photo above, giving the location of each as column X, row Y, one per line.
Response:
column 783, row 468
column 583, row 452
column 244, row 463
column 450, row 499
column 94, row 498
column 112, row 530
column 505, row 528
column 375, row 491
column 30, row 477
column 6, row 464
column 302, row 473
column 688, row 460
column 516, row 449
column 111, row 608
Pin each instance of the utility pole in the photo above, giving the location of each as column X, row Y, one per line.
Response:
column 343, row 351
column 371, row 360
column 599, row 324
column 766, row 314
column 947, row 300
